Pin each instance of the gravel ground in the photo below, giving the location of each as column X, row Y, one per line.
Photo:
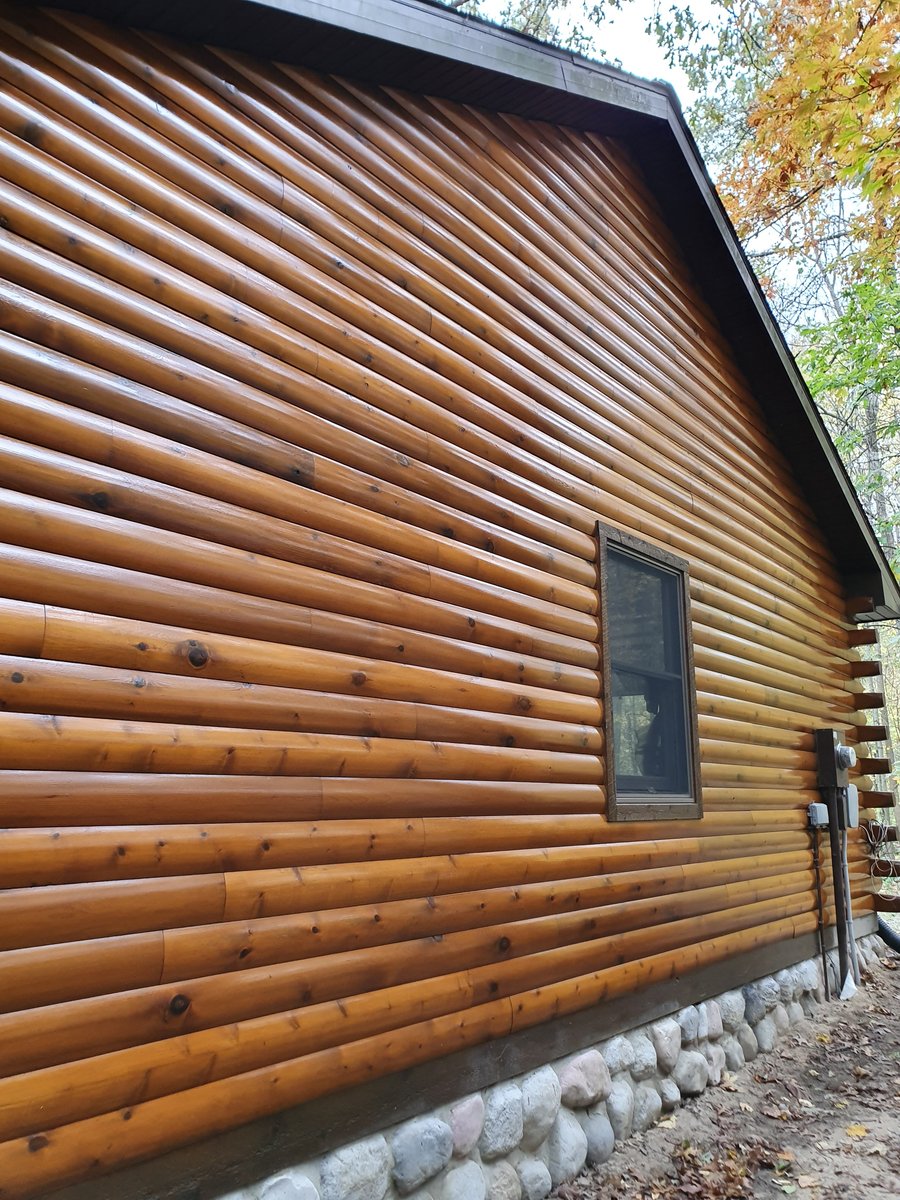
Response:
column 818, row 1118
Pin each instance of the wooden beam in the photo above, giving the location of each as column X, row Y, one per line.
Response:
column 859, row 604
column 874, row 766
column 867, row 700
column 862, row 637
column 865, row 668
column 863, row 734
column 877, row 800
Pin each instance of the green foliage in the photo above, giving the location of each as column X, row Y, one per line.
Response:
column 852, row 366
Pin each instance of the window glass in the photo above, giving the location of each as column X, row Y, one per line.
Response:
column 649, row 718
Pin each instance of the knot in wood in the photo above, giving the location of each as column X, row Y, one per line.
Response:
column 197, row 655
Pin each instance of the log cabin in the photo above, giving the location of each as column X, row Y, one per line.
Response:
column 424, row 571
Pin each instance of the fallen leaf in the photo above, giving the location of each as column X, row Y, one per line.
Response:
column 856, row 1131
column 746, row 1107
column 807, row 1181
column 667, row 1123
column 824, row 1038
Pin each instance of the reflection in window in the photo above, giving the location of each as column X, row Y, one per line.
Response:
column 648, row 712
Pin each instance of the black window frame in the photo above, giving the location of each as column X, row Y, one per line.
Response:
column 622, row 805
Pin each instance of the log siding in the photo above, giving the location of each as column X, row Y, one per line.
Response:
column 311, row 397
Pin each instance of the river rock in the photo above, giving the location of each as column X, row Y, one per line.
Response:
column 666, row 1038
column 360, row 1171
column 618, row 1053
column 421, row 1149
column 620, row 1108
column 691, row 1072
column 584, row 1079
column 731, row 1006
column 541, row 1095
column 644, row 1065
column 464, row 1183
column 534, row 1179
column 567, row 1147
column 502, row 1129
column 601, row 1140
column 689, row 1020
column 502, row 1182
column 747, row 1041
column 669, row 1095
column 647, row 1107
column 466, row 1122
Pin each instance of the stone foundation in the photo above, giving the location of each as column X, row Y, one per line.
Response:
column 521, row 1138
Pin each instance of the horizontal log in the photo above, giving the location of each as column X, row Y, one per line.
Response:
column 747, row 619
column 763, row 661
column 719, row 682
column 66, row 479
column 47, row 798
column 539, row 951
column 72, row 583
column 885, row 868
column 272, row 443
column 72, row 912
column 82, row 240
column 756, row 800
column 87, row 743
column 736, row 753
column 719, row 774
column 70, row 689
column 36, row 976
column 886, row 902
column 711, row 663
column 70, row 1092
column 54, row 528
column 77, row 855
column 81, row 637
column 270, row 485
column 80, row 1150
column 745, row 729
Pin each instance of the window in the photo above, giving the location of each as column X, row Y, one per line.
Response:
column 649, row 710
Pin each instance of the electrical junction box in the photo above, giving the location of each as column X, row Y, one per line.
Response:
column 834, row 758
column 818, row 815
column 851, row 801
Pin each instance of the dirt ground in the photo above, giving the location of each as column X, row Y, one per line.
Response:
column 818, row 1118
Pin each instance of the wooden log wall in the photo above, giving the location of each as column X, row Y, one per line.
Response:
column 311, row 396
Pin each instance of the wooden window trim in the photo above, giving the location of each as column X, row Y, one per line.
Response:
column 630, row 807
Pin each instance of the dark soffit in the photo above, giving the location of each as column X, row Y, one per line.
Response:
column 424, row 47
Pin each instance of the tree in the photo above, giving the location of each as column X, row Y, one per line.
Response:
column 852, row 366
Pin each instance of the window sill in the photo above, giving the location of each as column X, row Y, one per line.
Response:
column 642, row 808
